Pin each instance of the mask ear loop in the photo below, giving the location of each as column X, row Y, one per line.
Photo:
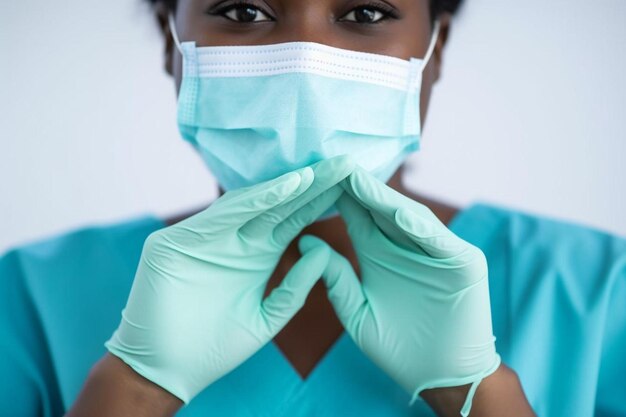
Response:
column 431, row 46
column 172, row 25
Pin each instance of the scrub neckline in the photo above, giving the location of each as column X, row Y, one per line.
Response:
column 320, row 364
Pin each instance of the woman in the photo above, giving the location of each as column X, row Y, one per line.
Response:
column 213, row 289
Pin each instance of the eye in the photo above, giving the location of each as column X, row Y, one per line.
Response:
column 242, row 12
column 367, row 14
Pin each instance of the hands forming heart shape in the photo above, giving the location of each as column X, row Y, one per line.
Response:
column 420, row 310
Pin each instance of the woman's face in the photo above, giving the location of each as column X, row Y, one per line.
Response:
column 399, row 28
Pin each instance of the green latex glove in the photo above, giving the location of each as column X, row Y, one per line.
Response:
column 196, row 309
column 421, row 311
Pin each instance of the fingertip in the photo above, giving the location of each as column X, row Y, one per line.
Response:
column 290, row 183
column 413, row 223
column 305, row 179
column 436, row 241
column 308, row 243
column 319, row 254
column 404, row 218
column 345, row 163
column 355, row 180
column 334, row 169
column 402, row 214
column 307, row 176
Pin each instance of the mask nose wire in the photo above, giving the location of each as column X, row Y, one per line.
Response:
column 172, row 24
column 432, row 44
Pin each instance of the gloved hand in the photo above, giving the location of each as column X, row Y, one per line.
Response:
column 421, row 311
column 196, row 309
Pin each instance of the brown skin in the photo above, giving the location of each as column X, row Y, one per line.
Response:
column 113, row 388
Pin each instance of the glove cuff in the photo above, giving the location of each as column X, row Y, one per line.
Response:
column 467, row 405
column 474, row 380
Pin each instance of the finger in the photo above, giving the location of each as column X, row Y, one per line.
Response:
column 246, row 205
column 365, row 226
column 235, row 197
column 286, row 231
column 344, row 288
column 285, row 300
column 436, row 241
column 327, row 173
column 382, row 202
column 379, row 198
column 358, row 219
column 237, row 193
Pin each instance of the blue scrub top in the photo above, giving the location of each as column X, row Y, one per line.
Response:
column 558, row 295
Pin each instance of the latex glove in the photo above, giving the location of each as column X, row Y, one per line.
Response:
column 196, row 309
column 421, row 311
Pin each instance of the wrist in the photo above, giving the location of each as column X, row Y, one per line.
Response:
column 446, row 401
column 114, row 389
column 500, row 393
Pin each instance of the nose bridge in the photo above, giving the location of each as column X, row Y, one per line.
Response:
column 308, row 21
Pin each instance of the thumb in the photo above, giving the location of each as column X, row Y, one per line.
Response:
column 285, row 300
column 344, row 288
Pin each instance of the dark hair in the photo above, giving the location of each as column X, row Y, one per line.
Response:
column 436, row 6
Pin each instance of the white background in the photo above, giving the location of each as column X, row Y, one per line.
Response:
column 530, row 113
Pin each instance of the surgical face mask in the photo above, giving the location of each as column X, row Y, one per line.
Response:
column 256, row 112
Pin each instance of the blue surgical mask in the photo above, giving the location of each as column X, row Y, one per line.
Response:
column 256, row 112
